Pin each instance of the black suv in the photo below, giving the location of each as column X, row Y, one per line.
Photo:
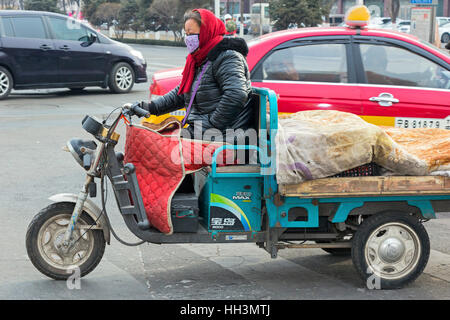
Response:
column 49, row 50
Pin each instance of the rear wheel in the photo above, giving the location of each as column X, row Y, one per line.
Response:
column 6, row 83
column 44, row 238
column 121, row 78
column 390, row 250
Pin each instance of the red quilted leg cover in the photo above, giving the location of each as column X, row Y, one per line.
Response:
column 159, row 169
column 158, row 178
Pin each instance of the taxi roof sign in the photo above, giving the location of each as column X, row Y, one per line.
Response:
column 357, row 16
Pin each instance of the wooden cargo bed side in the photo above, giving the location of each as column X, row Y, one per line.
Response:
column 368, row 186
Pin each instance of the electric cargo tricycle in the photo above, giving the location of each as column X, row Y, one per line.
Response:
column 377, row 220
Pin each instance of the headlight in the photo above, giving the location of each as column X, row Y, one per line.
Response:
column 137, row 54
column 82, row 150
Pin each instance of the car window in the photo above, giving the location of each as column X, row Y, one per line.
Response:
column 69, row 29
column 28, row 27
column 316, row 63
column 6, row 27
column 396, row 66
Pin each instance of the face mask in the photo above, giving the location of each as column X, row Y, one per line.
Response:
column 192, row 42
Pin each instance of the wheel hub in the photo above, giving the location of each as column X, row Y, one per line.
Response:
column 124, row 78
column 391, row 250
column 52, row 248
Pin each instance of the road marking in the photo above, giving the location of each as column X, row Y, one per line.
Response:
column 438, row 265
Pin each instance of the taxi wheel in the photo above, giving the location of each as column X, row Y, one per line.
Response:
column 6, row 83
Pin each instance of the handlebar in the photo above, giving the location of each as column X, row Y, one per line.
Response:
column 135, row 110
column 138, row 111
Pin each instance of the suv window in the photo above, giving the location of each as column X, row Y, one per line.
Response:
column 28, row 27
column 69, row 29
column 396, row 66
column 315, row 63
column 6, row 27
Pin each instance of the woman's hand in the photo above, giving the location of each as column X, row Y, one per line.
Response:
column 149, row 106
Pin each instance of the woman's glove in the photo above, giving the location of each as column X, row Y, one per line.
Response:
column 149, row 106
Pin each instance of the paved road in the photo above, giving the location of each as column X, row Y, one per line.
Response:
column 34, row 125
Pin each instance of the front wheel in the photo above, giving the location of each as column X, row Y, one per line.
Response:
column 390, row 250
column 45, row 234
column 121, row 78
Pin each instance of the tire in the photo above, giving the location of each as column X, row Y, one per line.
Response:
column 6, row 83
column 121, row 78
column 44, row 260
column 390, row 250
column 445, row 38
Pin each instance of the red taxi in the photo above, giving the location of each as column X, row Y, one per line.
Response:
column 386, row 77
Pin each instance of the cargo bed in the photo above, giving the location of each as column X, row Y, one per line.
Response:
column 368, row 186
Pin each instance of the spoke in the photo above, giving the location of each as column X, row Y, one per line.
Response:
column 374, row 241
column 82, row 244
column 50, row 249
column 377, row 264
column 397, row 232
column 400, row 265
column 374, row 246
column 409, row 245
column 67, row 259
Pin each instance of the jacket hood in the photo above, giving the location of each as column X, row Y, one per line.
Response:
column 236, row 44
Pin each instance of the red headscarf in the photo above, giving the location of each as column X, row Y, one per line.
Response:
column 211, row 33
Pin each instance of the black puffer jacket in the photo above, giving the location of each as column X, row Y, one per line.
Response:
column 223, row 93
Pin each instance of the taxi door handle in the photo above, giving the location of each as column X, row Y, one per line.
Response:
column 385, row 99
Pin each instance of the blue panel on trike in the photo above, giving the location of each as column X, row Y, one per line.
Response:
column 231, row 203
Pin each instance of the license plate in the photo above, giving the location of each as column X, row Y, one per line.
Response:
column 411, row 123
column 178, row 113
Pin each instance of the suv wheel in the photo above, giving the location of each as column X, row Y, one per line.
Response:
column 6, row 83
column 121, row 78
